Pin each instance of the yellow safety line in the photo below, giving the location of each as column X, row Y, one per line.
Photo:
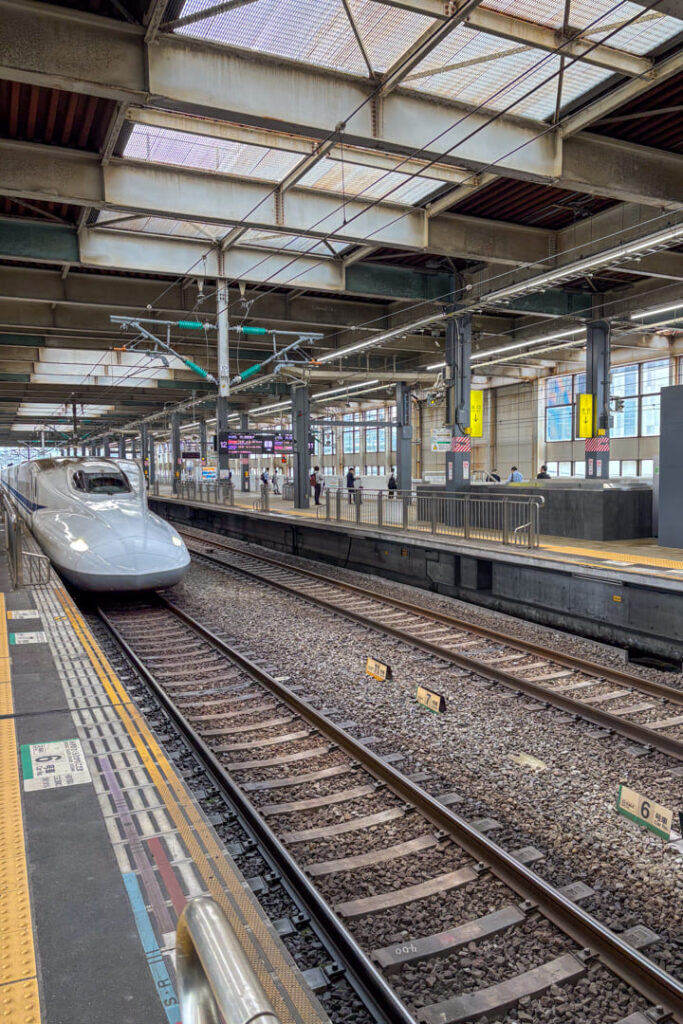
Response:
column 144, row 742
column 19, row 999
column 612, row 555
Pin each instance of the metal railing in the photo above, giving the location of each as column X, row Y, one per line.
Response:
column 215, row 979
column 500, row 518
column 27, row 568
column 218, row 492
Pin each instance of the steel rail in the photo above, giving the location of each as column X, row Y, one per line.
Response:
column 604, row 719
column 615, row 675
column 364, row 978
column 628, row 963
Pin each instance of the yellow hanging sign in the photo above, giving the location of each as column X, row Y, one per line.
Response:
column 476, row 414
column 585, row 409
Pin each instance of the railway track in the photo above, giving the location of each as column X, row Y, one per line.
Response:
column 375, row 853
column 651, row 713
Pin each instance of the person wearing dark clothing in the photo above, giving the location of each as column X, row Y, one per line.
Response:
column 392, row 485
column 544, row 474
column 350, row 484
column 495, row 476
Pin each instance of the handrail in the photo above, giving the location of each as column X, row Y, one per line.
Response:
column 214, row 975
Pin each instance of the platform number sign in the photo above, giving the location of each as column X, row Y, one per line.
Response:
column 377, row 669
column 53, row 765
column 644, row 812
column 430, row 699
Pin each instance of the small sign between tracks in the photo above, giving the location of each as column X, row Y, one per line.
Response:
column 430, row 700
column 645, row 812
column 377, row 670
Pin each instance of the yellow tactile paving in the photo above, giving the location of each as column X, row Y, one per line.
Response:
column 19, row 1001
column 184, row 814
column 612, row 554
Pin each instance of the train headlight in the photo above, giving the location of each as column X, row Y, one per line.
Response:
column 176, row 540
column 79, row 545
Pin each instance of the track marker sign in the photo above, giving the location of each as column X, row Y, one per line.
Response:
column 377, row 670
column 430, row 699
column 53, row 765
column 644, row 812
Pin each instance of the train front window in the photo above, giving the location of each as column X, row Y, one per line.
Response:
column 111, row 482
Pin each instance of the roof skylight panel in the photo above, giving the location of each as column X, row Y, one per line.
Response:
column 182, row 149
column 290, row 243
column 367, row 182
column 650, row 30
column 313, row 31
column 387, row 32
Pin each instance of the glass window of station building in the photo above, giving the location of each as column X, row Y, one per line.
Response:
column 635, row 394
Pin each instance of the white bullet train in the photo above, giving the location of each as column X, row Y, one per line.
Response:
column 90, row 516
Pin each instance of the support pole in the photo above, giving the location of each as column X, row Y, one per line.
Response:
column 244, row 459
column 597, row 385
column 458, row 383
column 152, row 462
column 144, row 444
column 106, row 446
column 404, row 438
column 222, row 324
column 202, row 442
column 176, row 461
column 134, row 447
column 301, row 428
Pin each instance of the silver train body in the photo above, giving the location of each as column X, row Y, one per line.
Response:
column 90, row 517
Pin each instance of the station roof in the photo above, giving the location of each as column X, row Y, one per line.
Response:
column 349, row 166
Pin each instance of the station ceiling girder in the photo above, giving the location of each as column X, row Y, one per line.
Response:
column 56, row 47
column 48, row 173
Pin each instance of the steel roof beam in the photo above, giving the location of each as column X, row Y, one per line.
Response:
column 517, row 30
column 31, row 171
column 52, row 46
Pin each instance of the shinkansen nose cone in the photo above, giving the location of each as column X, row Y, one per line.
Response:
column 131, row 550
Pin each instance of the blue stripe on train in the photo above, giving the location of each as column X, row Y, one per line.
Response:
column 31, row 506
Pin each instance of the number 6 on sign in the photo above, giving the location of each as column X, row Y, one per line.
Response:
column 644, row 812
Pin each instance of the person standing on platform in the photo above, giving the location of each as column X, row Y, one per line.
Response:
column 319, row 482
column 544, row 474
column 495, row 476
column 392, row 485
column 265, row 478
column 515, row 476
column 350, row 484
column 276, row 481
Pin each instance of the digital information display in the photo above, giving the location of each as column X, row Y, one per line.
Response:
column 258, row 442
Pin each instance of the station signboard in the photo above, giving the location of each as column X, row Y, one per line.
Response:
column 258, row 442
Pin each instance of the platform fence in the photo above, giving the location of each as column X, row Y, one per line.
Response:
column 27, row 568
column 513, row 521
column 209, row 492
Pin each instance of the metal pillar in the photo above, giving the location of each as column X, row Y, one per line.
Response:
column 106, row 447
column 134, row 447
column 301, row 428
column 176, row 461
column 458, row 383
column 244, row 459
column 222, row 325
column 597, row 385
column 144, row 445
column 404, row 438
column 84, row 450
column 122, row 447
column 202, row 442
column 152, row 461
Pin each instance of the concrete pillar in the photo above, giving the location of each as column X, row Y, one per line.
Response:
column 404, row 437
column 597, row 385
column 458, row 382
column 244, row 459
column 301, row 428
column 176, row 461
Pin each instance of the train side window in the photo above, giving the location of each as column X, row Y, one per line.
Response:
column 79, row 481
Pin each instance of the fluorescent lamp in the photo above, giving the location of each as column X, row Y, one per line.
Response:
column 529, row 341
column 377, row 387
column 436, row 366
column 342, row 391
column 521, row 355
column 396, row 332
column 659, row 309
